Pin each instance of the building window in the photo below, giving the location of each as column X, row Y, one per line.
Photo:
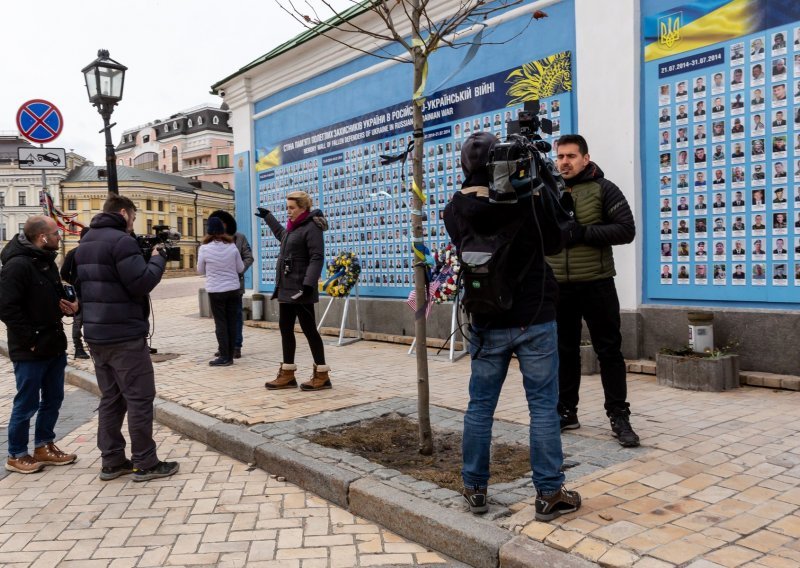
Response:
column 180, row 227
column 2, row 199
column 3, row 235
column 190, row 232
column 130, row 162
column 21, row 199
column 166, row 128
column 160, row 205
column 148, row 205
column 199, row 121
column 145, row 139
column 72, row 204
column 21, row 228
column 149, row 226
column 164, row 154
column 215, row 120
column 189, row 123
column 191, row 261
column 223, row 161
column 174, row 158
column 120, row 162
column 146, row 161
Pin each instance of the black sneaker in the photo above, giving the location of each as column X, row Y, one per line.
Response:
column 80, row 353
column 237, row 353
column 161, row 469
column 221, row 362
column 548, row 507
column 476, row 499
column 621, row 427
column 109, row 473
column 569, row 419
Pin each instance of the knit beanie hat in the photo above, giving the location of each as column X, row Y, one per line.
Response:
column 215, row 226
column 475, row 158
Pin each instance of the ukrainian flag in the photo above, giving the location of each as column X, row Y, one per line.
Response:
column 697, row 25
column 269, row 160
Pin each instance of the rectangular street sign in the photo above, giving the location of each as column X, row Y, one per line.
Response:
column 42, row 158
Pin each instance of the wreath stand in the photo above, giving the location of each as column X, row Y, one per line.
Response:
column 342, row 340
column 453, row 356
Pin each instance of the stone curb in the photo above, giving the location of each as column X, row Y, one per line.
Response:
column 458, row 534
column 523, row 552
column 327, row 481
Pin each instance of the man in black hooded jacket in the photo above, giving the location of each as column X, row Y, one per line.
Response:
column 527, row 330
column 247, row 257
column 32, row 303
column 115, row 284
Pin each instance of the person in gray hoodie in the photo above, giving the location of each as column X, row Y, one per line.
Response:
column 220, row 261
column 247, row 257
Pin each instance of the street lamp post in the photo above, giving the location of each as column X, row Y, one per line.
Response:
column 105, row 79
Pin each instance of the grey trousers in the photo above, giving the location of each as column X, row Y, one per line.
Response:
column 127, row 384
column 77, row 324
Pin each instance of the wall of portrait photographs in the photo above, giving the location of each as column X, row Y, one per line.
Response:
column 722, row 171
column 367, row 203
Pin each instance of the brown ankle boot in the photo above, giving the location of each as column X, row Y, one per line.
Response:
column 285, row 378
column 319, row 380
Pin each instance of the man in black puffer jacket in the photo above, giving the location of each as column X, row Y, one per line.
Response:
column 115, row 284
column 32, row 302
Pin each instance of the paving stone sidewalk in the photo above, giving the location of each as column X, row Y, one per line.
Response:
column 216, row 511
column 715, row 483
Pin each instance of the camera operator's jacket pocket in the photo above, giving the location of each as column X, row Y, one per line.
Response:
column 300, row 260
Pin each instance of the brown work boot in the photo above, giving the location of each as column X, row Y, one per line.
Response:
column 49, row 454
column 285, row 378
column 25, row 464
column 319, row 380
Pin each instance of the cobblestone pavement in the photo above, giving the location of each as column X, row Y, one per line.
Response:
column 216, row 511
column 715, row 483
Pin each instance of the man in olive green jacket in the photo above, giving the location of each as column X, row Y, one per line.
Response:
column 585, row 272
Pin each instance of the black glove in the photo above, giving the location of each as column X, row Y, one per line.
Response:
column 262, row 213
column 162, row 250
column 575, row 233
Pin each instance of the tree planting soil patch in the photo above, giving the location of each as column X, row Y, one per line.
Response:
column 393, row 441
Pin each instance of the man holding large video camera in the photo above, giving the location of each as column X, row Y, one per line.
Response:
column 511, row 300
column 116, row 281
column 585, row 273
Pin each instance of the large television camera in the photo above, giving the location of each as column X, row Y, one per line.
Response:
column 521, row 165
column 163, row 235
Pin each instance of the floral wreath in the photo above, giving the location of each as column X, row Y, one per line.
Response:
column 445, row 274
column 342, row 274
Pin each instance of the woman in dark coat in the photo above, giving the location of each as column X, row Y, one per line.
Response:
column 298, row 269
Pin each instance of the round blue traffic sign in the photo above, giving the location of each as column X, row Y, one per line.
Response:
column 39, row 121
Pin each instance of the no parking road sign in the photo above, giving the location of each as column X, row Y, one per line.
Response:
column 39, row 121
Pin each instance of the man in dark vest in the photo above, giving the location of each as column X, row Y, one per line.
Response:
column 585, row 273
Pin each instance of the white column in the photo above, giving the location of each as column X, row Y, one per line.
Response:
column 607, row 74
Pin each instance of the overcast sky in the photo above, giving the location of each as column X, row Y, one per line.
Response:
column 174, row 51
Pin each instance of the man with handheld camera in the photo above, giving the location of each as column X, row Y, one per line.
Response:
column 115, row 282
column 524, row 327
column 585, row 273
column 32, row 302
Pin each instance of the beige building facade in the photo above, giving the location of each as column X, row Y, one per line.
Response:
column 161, row 199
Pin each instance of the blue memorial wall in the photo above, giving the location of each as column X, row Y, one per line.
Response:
column 721, row 152
column 329, row 145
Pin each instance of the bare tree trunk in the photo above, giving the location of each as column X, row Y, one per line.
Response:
column 423, row 390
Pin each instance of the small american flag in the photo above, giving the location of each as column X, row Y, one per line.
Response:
column 412, row 298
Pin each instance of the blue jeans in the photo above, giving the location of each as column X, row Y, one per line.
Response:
column 45, row 376
column 536, row 348
column 239, row 325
